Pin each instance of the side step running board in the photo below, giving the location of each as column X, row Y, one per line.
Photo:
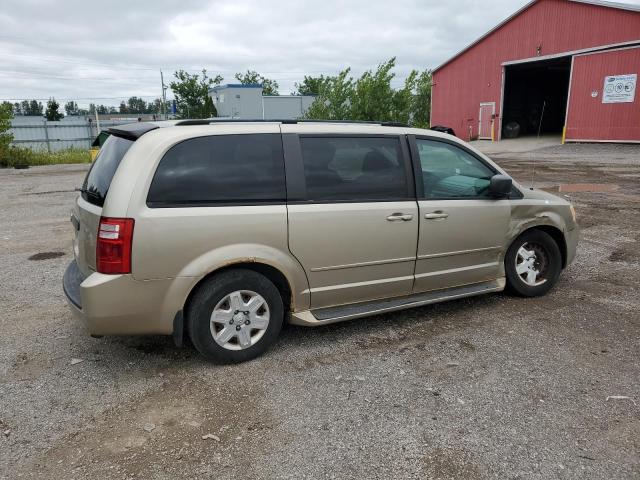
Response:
column 324, row 316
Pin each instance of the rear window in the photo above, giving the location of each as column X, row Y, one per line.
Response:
column 98, row 180
column 222, row 169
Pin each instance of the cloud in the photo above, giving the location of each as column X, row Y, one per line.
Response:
column 108, row 51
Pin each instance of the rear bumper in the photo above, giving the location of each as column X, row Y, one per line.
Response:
column 71, row 281
column 121, row 305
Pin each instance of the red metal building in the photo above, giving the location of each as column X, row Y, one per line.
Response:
column 568, row 67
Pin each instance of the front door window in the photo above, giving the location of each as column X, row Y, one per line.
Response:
column 450, row 172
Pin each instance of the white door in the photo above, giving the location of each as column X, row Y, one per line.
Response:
column 487, row 114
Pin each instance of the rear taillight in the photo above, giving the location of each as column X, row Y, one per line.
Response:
column 113, row 248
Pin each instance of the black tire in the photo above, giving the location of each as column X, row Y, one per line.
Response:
column 210, row 293
column 548, row 263
column 512, row 130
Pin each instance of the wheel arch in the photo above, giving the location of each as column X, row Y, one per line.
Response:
column 278, row 278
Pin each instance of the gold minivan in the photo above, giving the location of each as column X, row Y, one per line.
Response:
column 223, row 230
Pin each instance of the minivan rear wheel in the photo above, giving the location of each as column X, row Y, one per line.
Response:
column 235, row 316
column 533, row 264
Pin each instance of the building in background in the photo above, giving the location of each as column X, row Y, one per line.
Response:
column 246, row 102
column 565, row 67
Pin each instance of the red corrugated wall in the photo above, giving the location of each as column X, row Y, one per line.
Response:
column 589, row 118
column 555, row 25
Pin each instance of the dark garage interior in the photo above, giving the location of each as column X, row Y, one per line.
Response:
column 535, row 97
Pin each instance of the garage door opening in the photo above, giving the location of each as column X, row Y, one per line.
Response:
column 535, row 98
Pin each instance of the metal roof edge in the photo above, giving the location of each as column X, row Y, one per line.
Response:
column 235, row 85
column 603, row 3
column 571, row 53
column 616, row 48
column 600, row 3
column 478, row 40
column 290, row 96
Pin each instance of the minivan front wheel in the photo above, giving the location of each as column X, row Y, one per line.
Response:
column 235, row 316
column 533, row 264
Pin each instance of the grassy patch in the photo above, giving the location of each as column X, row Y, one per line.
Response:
column 24, row 156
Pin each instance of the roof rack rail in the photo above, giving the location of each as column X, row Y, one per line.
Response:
column 357, row 122
column 209, row 121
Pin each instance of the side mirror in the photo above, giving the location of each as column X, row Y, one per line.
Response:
column 500, row 186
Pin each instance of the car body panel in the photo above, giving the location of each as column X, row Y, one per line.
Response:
column 351, row 252
column 202, row 240
column 463, row 248
column 121, row 305
column 86, row 218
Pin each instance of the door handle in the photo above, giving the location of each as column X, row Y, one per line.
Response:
column 405, row 217
column 435, row 215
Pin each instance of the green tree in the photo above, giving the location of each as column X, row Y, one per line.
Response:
column 123, row 107
column 71, row 108
column 251, row 77
column 372, row 98
column 8, row 105
column 421, row 105
column 209, row 108
column 35, row 108
column 32, row 108
column 402, row 102
column 333, row 101
column 105, row 110
column 137, row 105
column 52, row 113
column 191, row 92
column 6, row 114
column 310, row 85
column 157, row 107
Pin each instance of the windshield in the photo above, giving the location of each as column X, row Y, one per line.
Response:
column 96, row 185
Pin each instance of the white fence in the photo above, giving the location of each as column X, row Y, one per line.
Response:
column 72, row 132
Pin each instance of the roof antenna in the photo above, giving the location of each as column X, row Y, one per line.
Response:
column 533, row 173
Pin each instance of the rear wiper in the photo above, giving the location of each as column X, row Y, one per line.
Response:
column 88, row 192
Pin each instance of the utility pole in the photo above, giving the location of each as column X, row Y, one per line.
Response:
column 164, row 96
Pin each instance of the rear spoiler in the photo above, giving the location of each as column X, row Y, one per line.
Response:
column 132, row 131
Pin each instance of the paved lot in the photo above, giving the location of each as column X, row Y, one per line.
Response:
column 489, row 387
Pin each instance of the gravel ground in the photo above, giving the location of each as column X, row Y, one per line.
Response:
column 488, row 387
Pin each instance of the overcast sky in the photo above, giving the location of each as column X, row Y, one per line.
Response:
column 102, row 52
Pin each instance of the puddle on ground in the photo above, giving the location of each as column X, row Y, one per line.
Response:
column 46, row 255
column 586, row 187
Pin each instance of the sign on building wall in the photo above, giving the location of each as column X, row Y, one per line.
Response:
column 620, row 88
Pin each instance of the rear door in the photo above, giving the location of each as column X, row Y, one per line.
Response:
column 462, row 229
column 88, row 208
column 353, row 217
